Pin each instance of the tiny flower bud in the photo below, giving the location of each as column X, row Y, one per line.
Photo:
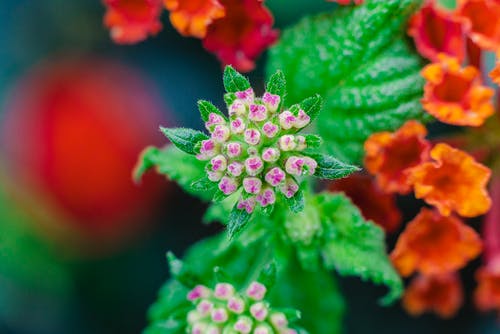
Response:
column 259, row 311
column 204, row 307
column 213, row 119
column 287, row 143
column 301, row 143
column 199, row 328
column 193, row 316
column 252, row 185
column 287, row 120
column 223, row 291
column 310, row 165
column 302, row 120
column 237, row 108
column 218, row 163
column 243, row 325
column 252, row 136
column 279, row 320
column 266, row 197
column 262, row 329
column 237, row 126
column 246, row 96
column 219, row 315
column 199, row 291
column 252, row 151
column 246, row 204
column 253, row 166
column 289, row 188
column 235, row 169
column 257, row 113
column 294, row 165
column 221, row 133
column 270, row 129
column 228, row 185
column 236, row 305
column 208, row 149
column 233, row 149
column 270, row 154
column 271, row 101
column 214, row 176
column 256, row 291
column 212, row 329
column 275, row 176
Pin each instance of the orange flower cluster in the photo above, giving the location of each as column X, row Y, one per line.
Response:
column 487, row 294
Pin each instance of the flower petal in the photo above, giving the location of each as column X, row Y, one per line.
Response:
column 192, row 18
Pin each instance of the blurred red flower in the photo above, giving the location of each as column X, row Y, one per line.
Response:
column 347, row 2
column 192, row 18
column 132, row 21
column 484, row 19
column 487, row 294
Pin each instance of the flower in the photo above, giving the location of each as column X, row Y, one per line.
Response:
column 484, row 19
column 226, row 310
column 192, row 18
column 487, row 293
column 256, row 149
column 435, row 31
column 242, row 34
column 434, row 244
column 454, row 181
column 495, row 73
column 389, row 156
column 442, row 294
column 455, row 95
column 132, row 21
column 372, row 202
column 347, row 2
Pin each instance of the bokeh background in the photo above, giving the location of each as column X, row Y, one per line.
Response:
column 82, row 249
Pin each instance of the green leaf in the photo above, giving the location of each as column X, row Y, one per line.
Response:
column 331, row 168
column 234, row 81
column 277, row 85
column 184, row 139
column 296, row 203
column 180, row 271
column 358, row 60
column 146, row 161
column 267, row 275
column 238, row 219
column 312, row 106
column 206, row 108
column 204, row 185
column 313, row 141
column 353, row 246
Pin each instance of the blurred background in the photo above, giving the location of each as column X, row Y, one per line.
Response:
column 82, row 249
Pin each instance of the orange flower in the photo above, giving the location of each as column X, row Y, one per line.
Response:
column 484, row 19
column 374, row 204
column 389, row 156
column 441, row 294
column 192, row 17
column 495, row 74
column 454, row 181
column 131, row 21
column 455, row 95
column 434, row 244
column 487, row 294
column 437, row 31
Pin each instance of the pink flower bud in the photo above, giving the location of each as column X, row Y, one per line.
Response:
column 266, row 197
column 262, row 329
column 275, row 176
column 238, row 108
column 287, row 143
column 233, row 149
column 199, row 328
column 287, row 120
column 214, row 119
column 235, row 169
column 219, row 315
column 193, row 316
column 246, row 204
column 259, row 311
column 223, row 291
column 243, row 325
column 208, row 149
column 270, row 154
column 257, row 113
column 270, row 129
column 212, row 329
column 253, row 166
column 256, row 291
column 252, row 151
column 204, row 307
column 246, row 96
column 215, row 176
column 303, row 120
column 228, row 185
column 294, row 165
column 236, row 305
column 199, row 291
column 237, row 126
column 310, row 165
column 279, row 320
column 218, row 163
column 252, row 136
column 271, row 101
column 289, row 188
column 301, row 143
column 221, row 133
column 252, row 185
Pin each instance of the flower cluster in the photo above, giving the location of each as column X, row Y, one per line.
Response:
column 224, row 310
column 257, row 149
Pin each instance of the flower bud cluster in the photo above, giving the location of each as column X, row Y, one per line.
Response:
column 223, row 310
column 257, row 149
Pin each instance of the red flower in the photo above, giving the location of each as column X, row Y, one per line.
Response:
column 441, row 294
column 242, row 34
column 374, row 204
column 454, row 181
column 346, row 2
column 434, row 244
column 390, row 156
column 455, row 95
column 192, row 17
column 484, row 19
column 131, row 21
column 495, row 74
column 487, row 294
column 436, row 30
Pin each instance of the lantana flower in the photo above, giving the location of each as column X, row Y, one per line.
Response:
column 192, row 18
column 347, row 2
column 441, row 294
column 435, row 30
column 455, row 95
column 484, row 20
column 242, row 34
column 453, row 181
column 487, row 293
column 374, row 204
column 434, row 244
column 132, row 21
column 390, row 156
